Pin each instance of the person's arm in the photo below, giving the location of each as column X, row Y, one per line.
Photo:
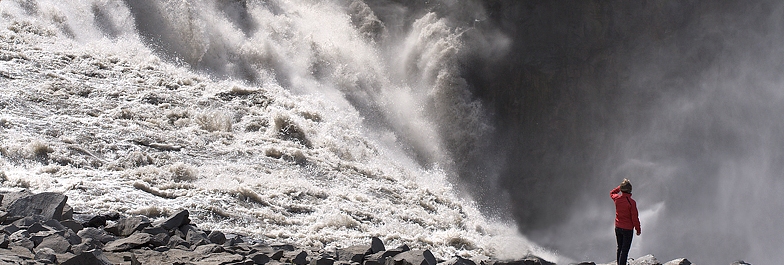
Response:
column 636, row 218
column 614, row 192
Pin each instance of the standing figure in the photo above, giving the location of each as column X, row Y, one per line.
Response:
column 626, row 219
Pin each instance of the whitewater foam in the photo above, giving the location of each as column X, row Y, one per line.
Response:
column 95, row 106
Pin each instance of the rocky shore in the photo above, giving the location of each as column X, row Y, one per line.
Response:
column 43, row 229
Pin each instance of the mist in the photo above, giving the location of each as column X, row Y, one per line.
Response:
column 535, row 109
column 681, row 97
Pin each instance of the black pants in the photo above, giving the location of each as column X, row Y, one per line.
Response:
column 624, row 238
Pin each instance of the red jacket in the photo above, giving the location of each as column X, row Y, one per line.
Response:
column 625, row 210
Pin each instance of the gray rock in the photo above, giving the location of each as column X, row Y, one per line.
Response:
column 134, row 241
column 10, row 229
column 22, row 239
column 645, row 260
column 740, row 262
column 4, row 241
column 259, row 258
column 175, row 241
column 47, row 204
column 38, row 237
column 323, row 261
column 457, row 260
column 585, row 263
column 160, row 239
column 10, row 197
column 55, row 242
column 194, row 236
column 176, row 220
column 220, row 258
column 154, row 230
column 37, row 227
column 680, row 261
column 127, row 226
column 301, row 258
column 96, row 234
column 209, row 249
column 376, row 245
column 28, row 221
column 86, row 245
column 67, row 212
column 46, row 255
column 54, row 225
column 95, row 221
column 284, row 247
column 94, row 257
column 352, row 254
column 73, row 225
column 217, row 237
column 414, row 257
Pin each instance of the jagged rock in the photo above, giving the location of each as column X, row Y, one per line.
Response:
column 680, row 261
column 154, row 230
column 9, row 198
column 95, row 221
column 457, row 260
column 645, row 260
column 10, row 229
column 175, row 241
column 209, row 249
column 37, row 227
column 259, row 258
column 194, row 236
column 217, row 237
column 160, row 239
column 96, row 234
column 86, row 245
column 176, row 220
column 73, row 225
column 46, row 255
column 67, row 212
column 127, row 226
column 22, row 238
column 300, row 258
column 55, row 242
column 284, row 247
column 4, row 241
column 352, row 254
column 94, row 257
column 324, row 260
column 376, row 245
column 28, row 221
column 414, row 257
column 134, row 241
column 220, row 258
column 47, row 204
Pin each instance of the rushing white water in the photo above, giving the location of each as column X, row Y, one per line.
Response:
column 307, row 122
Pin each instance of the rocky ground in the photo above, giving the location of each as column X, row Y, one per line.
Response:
column 43, row 229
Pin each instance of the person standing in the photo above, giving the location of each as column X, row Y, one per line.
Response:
column 626, row 219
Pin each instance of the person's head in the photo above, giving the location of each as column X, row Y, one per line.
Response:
column 626, row 186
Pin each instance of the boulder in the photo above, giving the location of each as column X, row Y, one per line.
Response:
column 645, row 260
column 9, row 198
column 127, row 226
column 134, row 241
column 73, row 225
column 94, row 257
column 46, row 255
column 376, row 245
column 22, row 239
column 176, row 220
column 414, row 257
column 220, row 258
column 458, row 260
column 352, row 254
column 86, row 245
column 55, row 242
column 95, row 221
column 96, row 234
column 175, row 241
column 301, row 258
column 259, row 258
column 323, row 260
column 4, row 241
column 209, row 249
column 194, row 236
column 680, row 261
column 47, row 204
column 217, row 237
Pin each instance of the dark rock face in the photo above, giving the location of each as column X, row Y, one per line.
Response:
column 48, row 204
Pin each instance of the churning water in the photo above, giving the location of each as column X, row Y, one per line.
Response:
column 302, row 121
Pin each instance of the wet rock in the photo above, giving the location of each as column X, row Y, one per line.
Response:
column 95, row 221
column 96, row 234
column 46, row 255
column 134, row 241
column 645, row 260
column 681, row 261
column 217, row 237
column 55, row 242
column 127, row 226
column 457, row 260
column 73, row 225
column 176, row 220
column 47, row 204
column 94, row 257
column 352, row 254
column 376, row 245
